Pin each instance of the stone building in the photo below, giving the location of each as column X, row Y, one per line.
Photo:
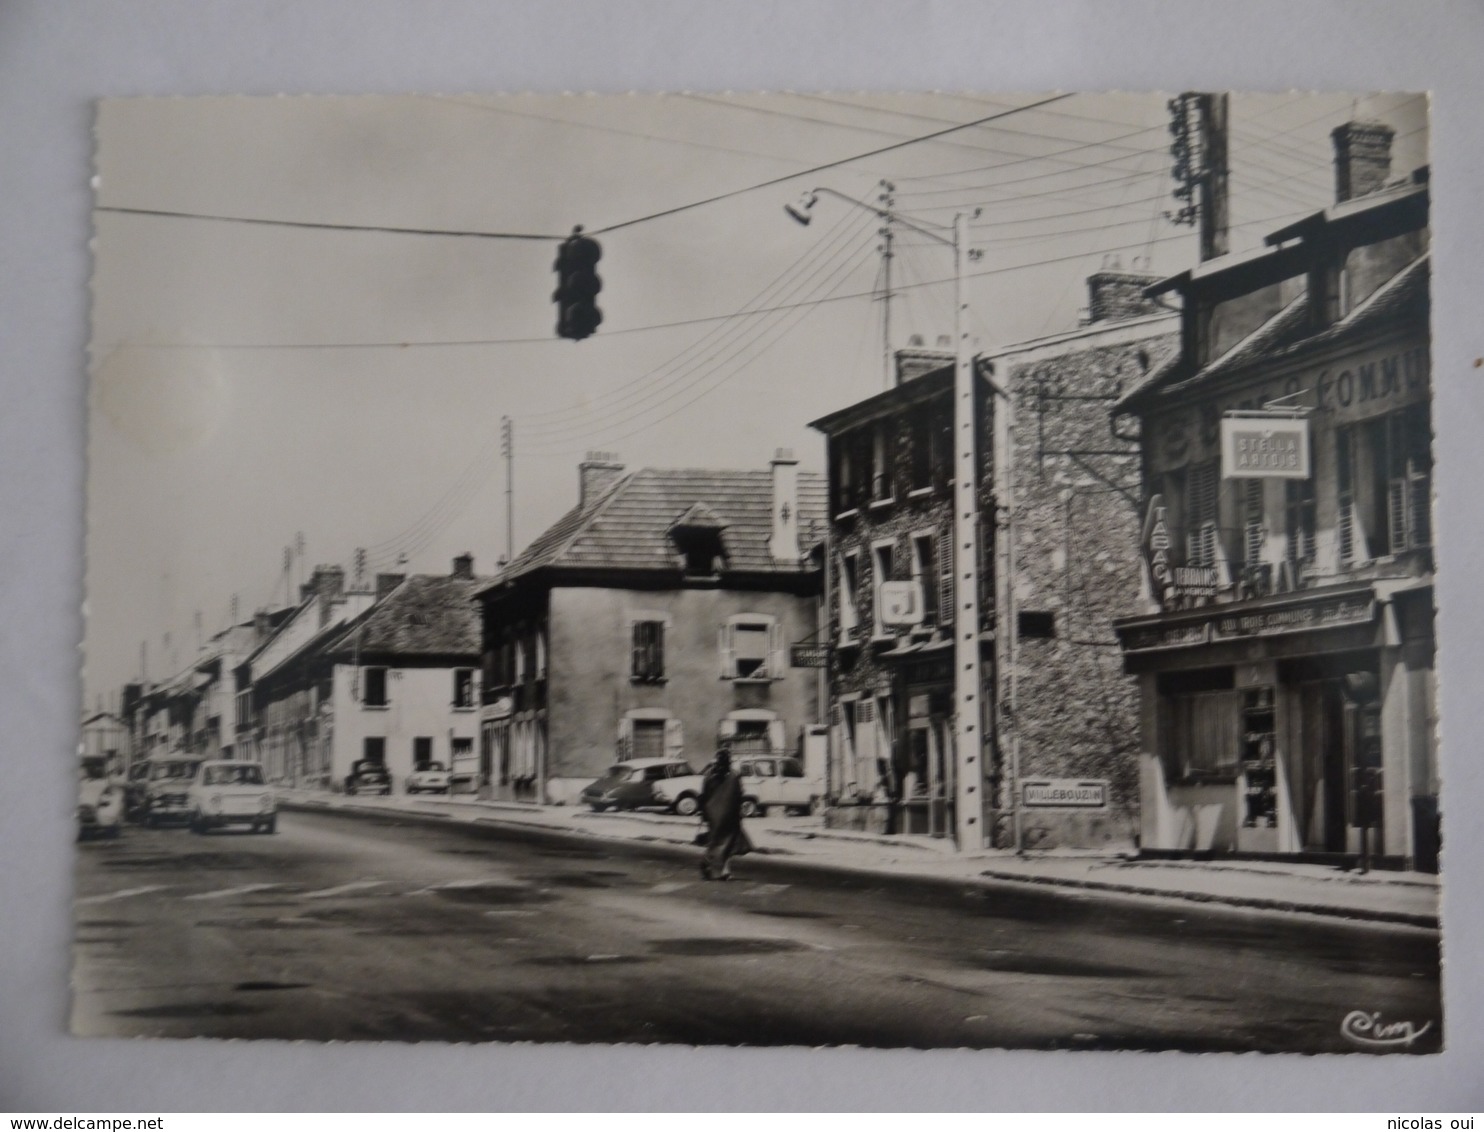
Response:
column 653, row 619
column 1285, row 658
column 1058, row 503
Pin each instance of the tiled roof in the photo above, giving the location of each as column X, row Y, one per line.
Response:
column 426, row 615
column 627, row 527
column 1405, row 293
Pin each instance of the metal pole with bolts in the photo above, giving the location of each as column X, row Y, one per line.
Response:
column 968, row 682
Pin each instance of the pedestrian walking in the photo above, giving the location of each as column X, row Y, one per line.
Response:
column 721, row 804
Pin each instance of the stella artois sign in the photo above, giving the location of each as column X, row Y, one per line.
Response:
column 1264, row 447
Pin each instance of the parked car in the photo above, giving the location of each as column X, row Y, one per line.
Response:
column 136, row 784
column 431, row 777
column 368, row 777
column 166, row 789
column 100, row 803
column 767, row 781
column 631, row 785
column 224, row 792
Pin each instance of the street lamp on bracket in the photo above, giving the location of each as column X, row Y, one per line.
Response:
column 969, row 714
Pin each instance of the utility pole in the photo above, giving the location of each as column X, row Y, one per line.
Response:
column 888, row 201
column 1198, row 125
column 507, row 449
column 968, row 682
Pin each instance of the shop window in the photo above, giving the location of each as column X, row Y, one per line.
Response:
column 1258, row 743
column 373, row 687
column 463, row 687
column 1036, row 624
column 647, row 662
column 1203, row 734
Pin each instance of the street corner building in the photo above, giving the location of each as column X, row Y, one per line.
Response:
column 383, row 673
column 1285, row 664
column 1058, row 515
column 653, row 620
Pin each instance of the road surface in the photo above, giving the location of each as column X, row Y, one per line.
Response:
column 353, row 927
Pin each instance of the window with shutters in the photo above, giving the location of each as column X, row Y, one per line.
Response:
column 463, row 688
column 925, row 574
column 1201, row 518
column 1345, row 493
column 752, row 649
column 1299, row 508
column 849, row 597
column 945, row 579
column 647, row 663
column 880, row 574
column 1409, row 479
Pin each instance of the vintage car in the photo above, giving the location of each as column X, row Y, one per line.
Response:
column 100, row 803
column 166, row 789
column 767, row 781
column 432, row 778
column 634, row 784
column 367, row 777
column 224, row 792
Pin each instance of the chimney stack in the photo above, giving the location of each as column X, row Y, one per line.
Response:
column 463, row 566
column 1113, row 296
column 596, row 474
column 1362, row 158
column 784, row 545
column 386, row 583
column 328, row 584
column 262, row 625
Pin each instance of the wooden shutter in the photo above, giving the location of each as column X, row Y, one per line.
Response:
column 1252, row 531
column 945, row 578
column 777, row 660
column 638, row 667
column 777, row 737
column 724, row 650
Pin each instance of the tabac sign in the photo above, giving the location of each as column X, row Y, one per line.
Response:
column 1156, row 545
column 1259, row 446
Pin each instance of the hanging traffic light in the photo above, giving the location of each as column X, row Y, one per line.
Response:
column 577, row 286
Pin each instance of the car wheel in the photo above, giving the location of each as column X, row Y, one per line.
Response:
column 597, row 807
column 197, row 825
column 686, row 805
column 750, row 808
column 271, row 825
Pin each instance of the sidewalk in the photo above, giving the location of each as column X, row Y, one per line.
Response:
column 1396, row 898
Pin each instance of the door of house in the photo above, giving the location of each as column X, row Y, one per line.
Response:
column 1321, row 748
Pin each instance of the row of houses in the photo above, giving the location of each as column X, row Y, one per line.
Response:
column 1177, row 655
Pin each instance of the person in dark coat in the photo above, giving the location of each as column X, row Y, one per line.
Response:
column 721, row 804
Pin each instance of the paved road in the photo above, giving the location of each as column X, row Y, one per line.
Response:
column 354, row 927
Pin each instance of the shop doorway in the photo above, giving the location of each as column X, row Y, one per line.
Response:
column 1323, row 734
column 927, row 778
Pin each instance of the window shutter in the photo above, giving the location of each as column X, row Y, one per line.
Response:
column 724, row 647
column 835, row 715
column 637, row 666
column 1253, row 529
column 777, row 660
column 657, row 651
column 1396, row 512
column 1421, row 507
column 674, row 738
column 945, row 578
column 776, row 736
column 625, row 737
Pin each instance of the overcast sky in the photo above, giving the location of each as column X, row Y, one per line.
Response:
column 254, row 382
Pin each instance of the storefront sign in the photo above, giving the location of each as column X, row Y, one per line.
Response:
column 1151, row 637
column 1335, row 613
column 1256, row 447
column 1156, row 544
column 809, row 656
column 1064, row 793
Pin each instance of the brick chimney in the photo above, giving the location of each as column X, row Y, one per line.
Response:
column 784, row 545
column 1362, row 158
column 916, row 361
column 262, row 625
column 596, row 474
column 463, row 566
column 328, row 584
column 386, row 583
column 1113, row 296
